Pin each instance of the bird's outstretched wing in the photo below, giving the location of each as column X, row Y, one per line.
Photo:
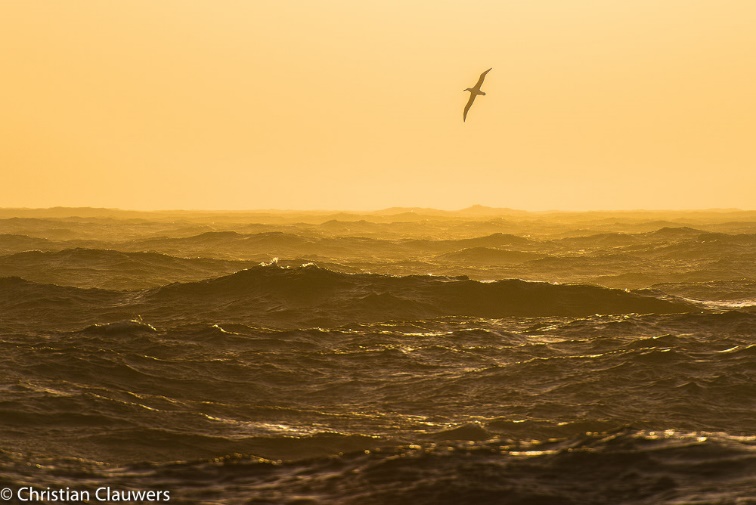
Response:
column 481, row 78
column 467, row 107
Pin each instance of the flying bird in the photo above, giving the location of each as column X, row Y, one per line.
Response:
column 474, row 91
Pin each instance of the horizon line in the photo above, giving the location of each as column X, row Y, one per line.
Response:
column 392, row 209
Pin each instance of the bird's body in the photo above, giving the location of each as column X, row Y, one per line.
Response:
column 474, row 91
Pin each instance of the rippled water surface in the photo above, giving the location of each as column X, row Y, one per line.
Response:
column 225, row 381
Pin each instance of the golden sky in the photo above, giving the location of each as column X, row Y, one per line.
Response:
column 340, row 104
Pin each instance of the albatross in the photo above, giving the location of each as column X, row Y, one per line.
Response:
column 474, row 91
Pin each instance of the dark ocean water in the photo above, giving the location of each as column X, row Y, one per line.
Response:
column 308, row 385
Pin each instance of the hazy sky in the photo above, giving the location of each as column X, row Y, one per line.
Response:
column 344, row 104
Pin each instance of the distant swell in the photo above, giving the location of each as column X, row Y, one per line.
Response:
column 294, row 293
column 310, row 295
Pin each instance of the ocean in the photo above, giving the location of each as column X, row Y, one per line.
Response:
column 403, row 357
